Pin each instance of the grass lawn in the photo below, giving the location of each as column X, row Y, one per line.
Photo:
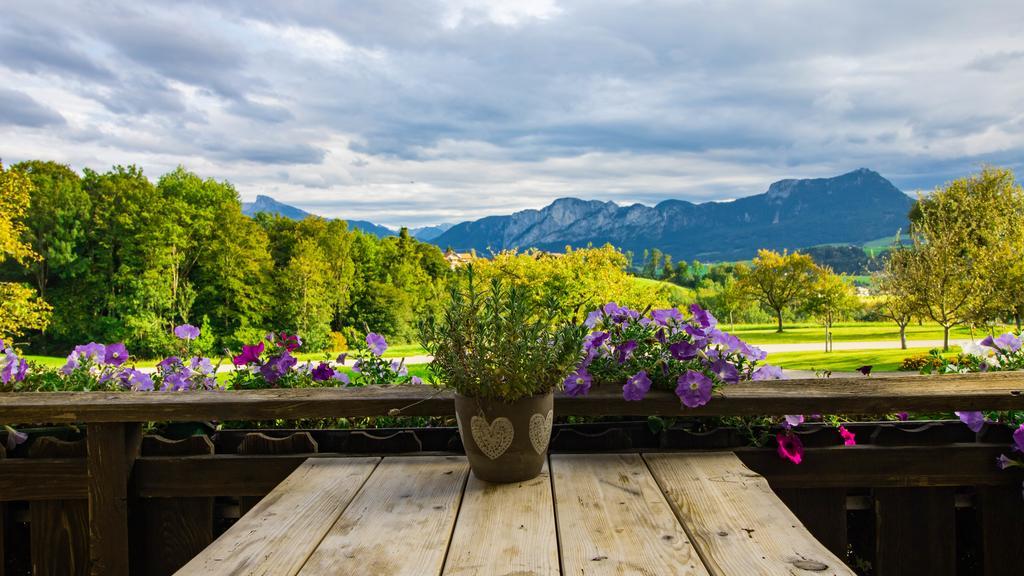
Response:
column 882, row 360
column 844, row 332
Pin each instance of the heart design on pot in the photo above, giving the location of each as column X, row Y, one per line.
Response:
column 540, row 431
column 494, row 438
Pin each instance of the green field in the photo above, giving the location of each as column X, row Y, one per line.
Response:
column 844, row 332
column 881, row 360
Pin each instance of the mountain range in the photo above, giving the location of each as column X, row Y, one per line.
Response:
column 852, row 208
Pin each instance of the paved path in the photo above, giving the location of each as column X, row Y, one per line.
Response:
column 876, row 345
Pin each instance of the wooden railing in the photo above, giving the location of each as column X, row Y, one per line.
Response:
column 121, row 481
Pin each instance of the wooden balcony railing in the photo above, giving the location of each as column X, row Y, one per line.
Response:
column 174, row 484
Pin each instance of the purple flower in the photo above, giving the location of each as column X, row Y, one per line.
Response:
column 341, row 358
column 169, row 362
column 594, row 318
column 416, row 381
column 399, row 368
column 793, row 420
column 323, row 372
column 663, row 316
column 578, row 383
column 71, row 365
column 683, row 350
column 22, row 371
column 377, row 343
column 14, row 438
column 115, row 354
column 175, row 381
column 201, row 365
column 694, row 389
column 139, row 380
column 751, row 352
column 250, row 355
column 726, row 371
column 790, row 447
column 1005, row 462
column 626, row 350
column 767, row 372
column 277, row 366
column 290, row 342
column 974, row 420
column 186, row 332
column 702, row 317
column 903, row 416
column 357, row 366
column 636, row 386
column 595, row 340
column 1018, row 438
column 1008, row 342
column 341, row 377
column 92, row 350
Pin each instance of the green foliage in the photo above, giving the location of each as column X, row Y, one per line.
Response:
column 503, row 341
column 20, row 308
column 779, row 281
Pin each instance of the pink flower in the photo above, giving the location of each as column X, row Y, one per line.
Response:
column 849, row 438
column 790, row 447
column 793, row 420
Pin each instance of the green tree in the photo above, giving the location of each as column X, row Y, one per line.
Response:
column 20, row 307
column 779, row 281
column 831, row 297
column 899, row 298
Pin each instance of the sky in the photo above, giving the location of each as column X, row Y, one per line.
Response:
column 422, row 112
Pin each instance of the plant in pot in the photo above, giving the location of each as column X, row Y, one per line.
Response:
column 503, row 351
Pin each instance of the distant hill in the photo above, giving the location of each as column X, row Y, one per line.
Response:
column 271, row 206
column 853, row 208
column 428, row 233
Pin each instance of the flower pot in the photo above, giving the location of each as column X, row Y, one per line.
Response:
column 505, row 441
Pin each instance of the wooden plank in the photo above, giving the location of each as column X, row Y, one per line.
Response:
column 108, row 467
column 3, row 522
column 883, row 466
column 915, row 531
column 737, row 523
column 59, row 528
column 399, row 523
column 505, row 529
column 613, row 519
column 1002, row 530
column 822, row 511
column 49, row 479
column 859, row 395
column 283, row 529
column 177, row 529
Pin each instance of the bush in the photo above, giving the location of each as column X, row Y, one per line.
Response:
column 338, row 342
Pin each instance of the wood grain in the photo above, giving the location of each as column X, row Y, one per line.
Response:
column 399, row 524
column 822, row 511
column 277, row 536
column 915, row 531
column 176, row 529
column 108, row 468
column 59, row 528
column 737, row 523
column 260, row 443
column 860, row 395
column 1002, row 531
column 505, row 529
column 613, row 519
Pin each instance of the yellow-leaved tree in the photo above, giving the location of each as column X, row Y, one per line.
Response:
column 20, row 307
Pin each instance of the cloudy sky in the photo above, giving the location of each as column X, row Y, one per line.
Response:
column 417, row 112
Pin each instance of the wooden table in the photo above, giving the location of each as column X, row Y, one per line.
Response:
column 701, row 513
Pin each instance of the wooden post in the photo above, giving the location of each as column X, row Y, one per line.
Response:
column 3, row 521
column 916, row 531
column 823, row 513
column 1002, row 530
column 59, row 528
column 176, row 529
column 112, row 448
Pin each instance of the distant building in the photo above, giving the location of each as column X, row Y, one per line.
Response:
column 456, row 259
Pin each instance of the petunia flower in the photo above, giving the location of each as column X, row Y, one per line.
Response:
column 793, row 420
column 595, row 340
column 849, row 438
column 578, row 383
column 683, row 350
column 341, row 358
column 250, row 355
column 341, row 377
column 767, row 372
column 399, row 367
column 702, row 317
column 1018, row 438
column 1004, row 462
column 666, row 316
column 377, row 343
column 636, row 387
column 93, row 350
column 790, row 447
column 186, row 332
column 290, row 342
column 694, row 389
column 626, row 350
column 726, row 371
column 115, row 354
column 138, row 380
column 14, row 438
column 594, row 318
column 322, row 372
column 416, row 381
column 974, row 420
column 903, row 416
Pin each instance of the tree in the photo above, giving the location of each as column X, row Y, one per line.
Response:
column 899, row 299
column 20, row 307
column 779, row 281
column 967, row 248
column 830, row 298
